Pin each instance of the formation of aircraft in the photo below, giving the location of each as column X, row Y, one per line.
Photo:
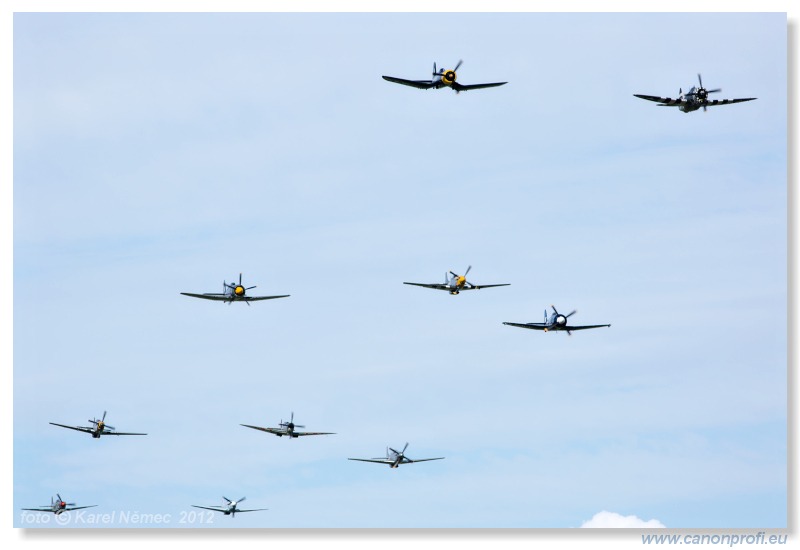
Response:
column 692, row 100
column 442, row 78
column 58, row 506
column 557, row 321
column 98, row 428
column 233, row 293
column 287, row 429
column 395, row 458
column 230, row 508
column 455, row 283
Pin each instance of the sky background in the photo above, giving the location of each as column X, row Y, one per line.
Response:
column 162, row 153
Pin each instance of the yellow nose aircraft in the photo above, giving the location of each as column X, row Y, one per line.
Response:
column 442, row 78
column 455, row 283
column 233, row 293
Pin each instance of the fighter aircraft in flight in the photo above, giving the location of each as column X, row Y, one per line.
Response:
column 230, row 507
column 58, row 506
column 233, row 293
column 395, row 458
column 98, row 428
column 287, row 429
column 693, row 99
column 557, row 321
column 456, row 283
column 442, row 78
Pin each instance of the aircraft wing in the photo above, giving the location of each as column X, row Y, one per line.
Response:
column 421, row 84
column 434, row 285
column 218, row 297
column 276, row 431
column 375, row 460
column 120, row 433
column 478, row 287
column 585, row 327
column 535, row 326
column 76, row 428
column 422, row 460
column 254, row 510
column 256, row 298
column 42, row 509
column 313, row 433
column 663, row 101
column 214, row 509
column 463, row 87
column 79, row 508
column 713, row 102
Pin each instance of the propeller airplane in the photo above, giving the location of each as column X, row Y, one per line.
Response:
column 395, row 458
column 98, row 428
column 693, row 99
column 233, row 293
column 230, row 508
column 58, row 506
column 557, row 321
column 287, row 429
column 442, row 78
column 455, row 283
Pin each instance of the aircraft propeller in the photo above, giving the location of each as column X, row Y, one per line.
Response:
column 702, row 93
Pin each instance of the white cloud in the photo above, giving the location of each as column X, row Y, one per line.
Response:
column 613, row 520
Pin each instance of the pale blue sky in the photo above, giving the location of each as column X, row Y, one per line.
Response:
column 156, row 154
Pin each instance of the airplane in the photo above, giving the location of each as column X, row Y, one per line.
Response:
column 58, row 506
column 100, row 428
column 693, row 99
column 557, row 321
column 287, row 428
column 233, row 293
column 443, row 78
column 395, row 458
column 230, row 508
column 456, row 283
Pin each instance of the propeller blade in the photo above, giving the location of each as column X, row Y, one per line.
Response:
column 714, row 91
column 240, row 278
column 406, row 447
column 249, row 287
column 240, row 500
column 569, row 333
column 110, row 427
column 554, row 309
column 104, row 416
column 700, row 79
column 467, row 271
column 227, row 499
column 299, row 426
column 573, row 312
column 460, row 61
column 705, row 108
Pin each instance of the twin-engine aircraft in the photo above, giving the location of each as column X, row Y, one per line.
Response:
column 557, row 321
column 233, row 293
column 58, row 506
column 230, row 507
column 693, row 99
column 98, row 428
column 442, row 78
column 395, row 458
column 456, row 283
column 287, row 429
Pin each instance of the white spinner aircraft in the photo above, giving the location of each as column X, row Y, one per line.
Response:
column 98, row 428
column 58, row 506
column 557, row 321
column 230, row 507
column 287, row 429
column 693, row 99
column 442, row 78
column 395, row 458
column 233, row 293
column 456, row 283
